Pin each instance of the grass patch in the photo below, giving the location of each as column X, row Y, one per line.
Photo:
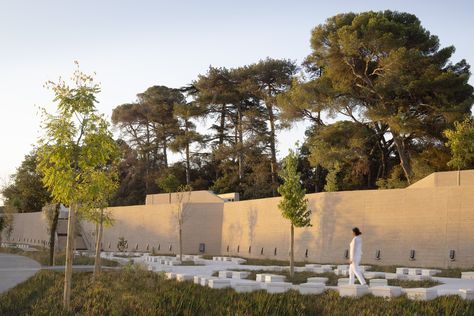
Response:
column 413, row 284
column 42, row 256
column 137, row 292
column 298, row 278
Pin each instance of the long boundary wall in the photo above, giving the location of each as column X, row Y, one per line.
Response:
column 431, row 218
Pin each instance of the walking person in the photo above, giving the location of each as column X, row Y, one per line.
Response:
column 355, row 257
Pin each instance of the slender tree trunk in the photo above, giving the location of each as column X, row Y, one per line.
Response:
column 97, row 262
column 188, row 166
column 180, row 241
column 52, row 236
column 69, row 257
column 292, row 253
column 459, row 176
column 222, row 125
column 165, row 152
column 273, row 161
column 241, row 143
column 405, row 162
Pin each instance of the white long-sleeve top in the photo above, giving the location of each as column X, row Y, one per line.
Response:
column 356, row 249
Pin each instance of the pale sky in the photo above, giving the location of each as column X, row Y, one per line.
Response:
column 132, row 45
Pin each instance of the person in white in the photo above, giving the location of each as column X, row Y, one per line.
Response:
column 355, row 256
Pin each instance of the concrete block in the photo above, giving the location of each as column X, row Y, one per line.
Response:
column 389, row 275
column 414, row 271
column 386, row 291
column 239, row 260
column 354, row 290
column 418, row 277
column 274, row 278
column 241, row 287
column 170, row 275
column 260, row 277
column 402, row 271
column 342, row 281
column 240, row 274
column 278, row 287
column 300, row 269
column 467, row 275
column 421, row 294
column 218, row 283
column 343, row 267
column 374, row 275
column 429, row 272
column 200, row 262
column 365, row 268
column 205, row 280
column 341, row 272
column 180, row 277
column 327, row 266
column 317, row 280
column 311, row 288
column 319, row 270
column 227, row 259
column 197, row 279
column 225, row 274
column 378, row 282
column 467, row 294
column 312, row 265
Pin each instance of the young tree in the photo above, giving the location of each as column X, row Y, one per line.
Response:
column 168, row 183
column 461, row 143
column 75, row 145
column 51, row 212
column 183, row 196
column 293, row 205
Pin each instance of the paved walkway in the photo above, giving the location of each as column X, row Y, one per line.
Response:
column 15, row 269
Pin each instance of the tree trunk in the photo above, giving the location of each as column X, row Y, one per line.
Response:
column 292, row 254
column 405, row 162
column 459, row 177
column 52, row 235
column 165, row 152
column 180, row 242
column 273, row 162
column 97, row 262
column 222, row 126
column 241, row 144
column 69, row 257
column 188, row 165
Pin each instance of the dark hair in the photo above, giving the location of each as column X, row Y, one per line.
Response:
column 356, row 231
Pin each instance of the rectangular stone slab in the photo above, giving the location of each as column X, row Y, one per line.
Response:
column 467, row 294
column 278, row 287
column 467, row 275
column 322, row 280
column 355, row 290
column 240, row 287
column 378, row 282
column 386, row 291
column 275, row 278
column 421, row 294
column 218, row 283
column 311, row 288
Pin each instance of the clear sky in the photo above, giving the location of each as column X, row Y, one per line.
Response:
column 132, row 45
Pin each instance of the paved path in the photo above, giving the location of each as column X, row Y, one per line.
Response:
column 15, row 269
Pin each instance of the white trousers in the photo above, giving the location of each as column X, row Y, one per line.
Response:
column 355, row 269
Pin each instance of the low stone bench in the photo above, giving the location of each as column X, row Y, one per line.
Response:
column 260, row 277
column 170, row 275
column 205, row 280
column 274, row 278
column 353, row 290
column 467, row 294
column 238, row 260
column 327, row 266
column 365, row 268
column 321, row 280
column 429, row 272
column 278, row 287
column 386, row 291
column 200, row 262
column 402, row 271
column 197, row 279
column 421, row 294
column 341, row 272
column 180, row 277
column 467, row 275
column 300, row 269
column 311, row 288
column 390, row 276
column 319, row 270
column 418, row 277
column 378, row 282
column 343, row 267
column 241, row 287
column 374, row 275
column 414, row 271
column 312, row 265
column 218, row 283
column 240, row 274
column 225, row 274
column 342, row 281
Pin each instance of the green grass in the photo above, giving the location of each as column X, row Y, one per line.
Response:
column 42, row 256
column 137, row 292
column 447, row 273
column 413, row 284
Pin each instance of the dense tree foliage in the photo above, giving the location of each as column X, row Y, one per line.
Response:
column 377, row 89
